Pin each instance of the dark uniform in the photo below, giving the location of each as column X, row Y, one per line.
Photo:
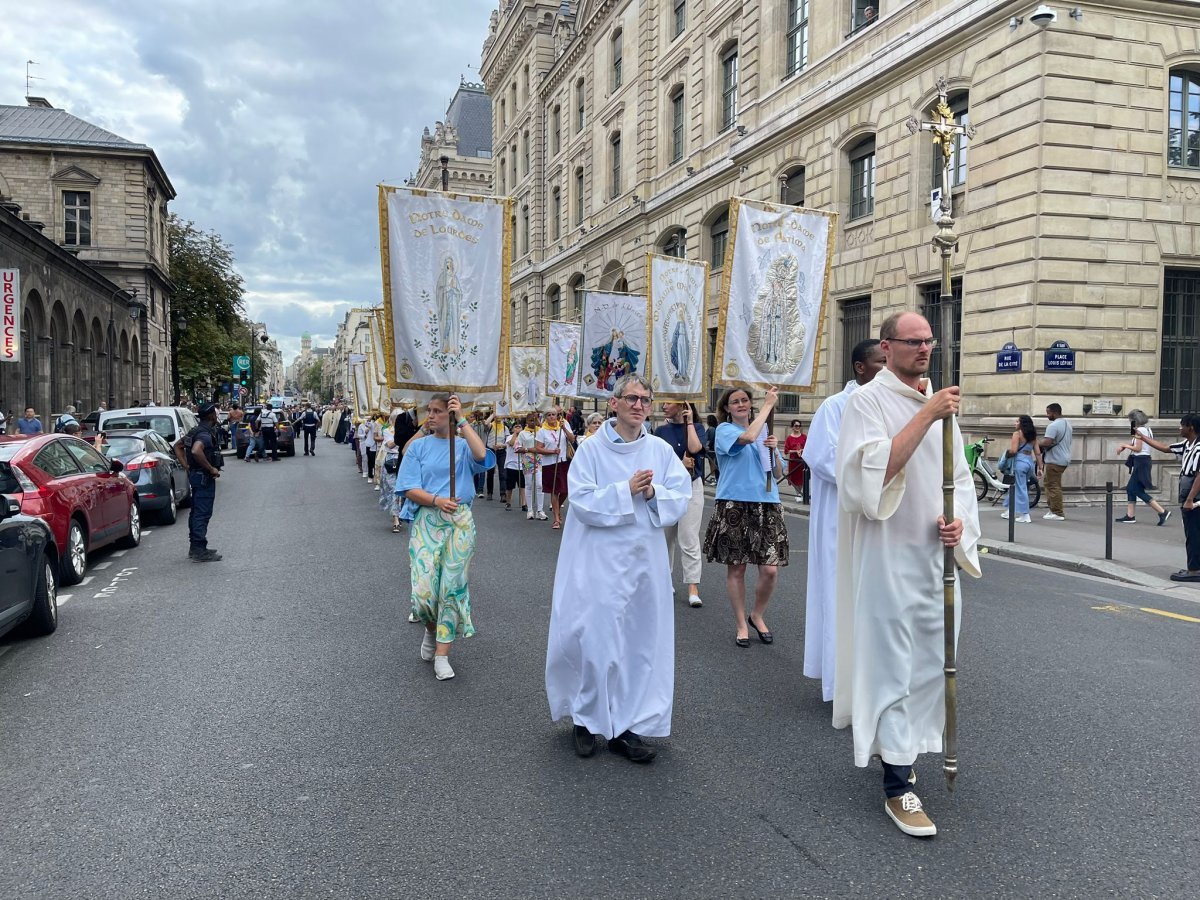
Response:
column 308, row 421
column 204, row 485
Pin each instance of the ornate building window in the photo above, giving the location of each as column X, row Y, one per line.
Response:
column 931, row 309
column 856, row 328
column 729, row 88
column 863, row 13
column 615, row 160
column 797, row 36
column 503, row 113
column 862, row 178
column 616, row 59
column 555, row 214
column 718, row 239
column 674, row 243
column 958, row 159
column 555, row 130
column 677, row 124
column 1178, row 381
column 525, row 155
column 579, row 196
column 791, row 187
column 503, row 163
column 555, row 304
column 1183, row 124
column 679, row 21
column 525, row 228
column 77, row 218
column 580, row 97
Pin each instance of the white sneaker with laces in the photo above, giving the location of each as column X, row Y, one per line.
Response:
column 1054, row 517
column 1024, row 520
column 1004, row 515
column 441, row 668
column 428, row 647
column 694, row 601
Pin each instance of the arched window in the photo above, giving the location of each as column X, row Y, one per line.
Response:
column 729, row 87
column 677, row 124
column 501, row 172
column 554, row 302
column 576, row 286
column 674, row 243
column 862, row 178
column 1183, row 124
column 791, row 187
column 555, row 130
column 580, row 98
column 579, row 201
column 718, row 239
column 616, row 59
column 525, row 228
column 615, row 164
column 525, row 156
column 555, row 214
column 959, row 106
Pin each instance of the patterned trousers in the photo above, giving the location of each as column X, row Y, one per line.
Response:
column 440, row 548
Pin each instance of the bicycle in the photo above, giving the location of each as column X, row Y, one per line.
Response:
column 988, row 478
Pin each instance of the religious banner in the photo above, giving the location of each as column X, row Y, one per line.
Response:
column 378, row 353
column 527, row 379
column 445, row 289
column 614, row 341
column 10, row 315
column 362, row 396
column 563, row 376
column 773, row 295
column 676, row 364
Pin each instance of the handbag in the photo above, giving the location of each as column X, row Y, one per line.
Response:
column 1005, row 464
column 391, row 465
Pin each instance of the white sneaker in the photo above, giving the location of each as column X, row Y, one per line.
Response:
column 376, row 487
column 1004, row 515
column 541, row 517
column 1054, row 517
column 1024, row 520
column 441, row 668
column 799, row 499
column 694, row 601
column 412, row 617
column 428, row 646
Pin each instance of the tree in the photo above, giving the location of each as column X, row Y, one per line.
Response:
column 312, row 379
column 209, row 300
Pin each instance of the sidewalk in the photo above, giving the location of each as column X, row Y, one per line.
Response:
column 1143, row 554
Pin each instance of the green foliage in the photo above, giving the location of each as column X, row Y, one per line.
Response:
column 311, row 379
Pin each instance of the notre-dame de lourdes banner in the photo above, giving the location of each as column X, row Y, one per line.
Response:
column 773, row 295
column 614, row 341
column 676, row 326
column 445, row 289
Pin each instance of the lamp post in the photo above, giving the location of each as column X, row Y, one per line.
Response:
column 445, row 161
column 257, row 333
column 112, row 339
column 176, row 336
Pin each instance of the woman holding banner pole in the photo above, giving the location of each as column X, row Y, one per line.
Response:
column 442, row 539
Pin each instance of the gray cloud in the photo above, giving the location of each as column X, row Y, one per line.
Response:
column 274, row 120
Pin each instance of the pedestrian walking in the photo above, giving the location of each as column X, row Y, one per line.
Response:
column 685, row 435
column 820, row 455
column 1138, row 462
column 553, row 444
column 199, row 451
column 610, row 656
column 514, row 475
column 1056, row 456
column 1187, row 448
column 482, row 426
column 308, row 422
column 442, row 538
column 793, row 448
column 29, row 423
column 267, row 420
column 710, row 448
column 254, row 442
column 531, row 469
column 889, row 685
column 67, row 418
column 497, row 442
column 747, row 527
column 389, row 466
column 1024, row 457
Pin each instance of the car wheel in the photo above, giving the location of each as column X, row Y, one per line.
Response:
column 134, row 537
column 44, row 618
column 171, row 513
column 74, row 563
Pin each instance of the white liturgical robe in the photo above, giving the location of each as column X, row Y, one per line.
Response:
column 610, row 658
column 820, row 615
column 890, row 629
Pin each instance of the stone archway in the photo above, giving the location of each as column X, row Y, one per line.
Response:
column 613, row 277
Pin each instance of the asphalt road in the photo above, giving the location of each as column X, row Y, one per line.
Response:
column 262, row 727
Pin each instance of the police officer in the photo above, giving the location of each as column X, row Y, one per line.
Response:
column 203, row 461
column 308, row 421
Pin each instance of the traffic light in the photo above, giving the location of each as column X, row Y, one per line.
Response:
column 244, row 378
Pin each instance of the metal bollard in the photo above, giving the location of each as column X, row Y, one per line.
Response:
column 1108, row 519
column 1012, row 508
column 804, row 489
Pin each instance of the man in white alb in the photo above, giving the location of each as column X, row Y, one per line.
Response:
column 610, row 657
column 820, row 454
column 889, row 683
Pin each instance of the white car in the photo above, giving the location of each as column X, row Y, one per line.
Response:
column 172, row 422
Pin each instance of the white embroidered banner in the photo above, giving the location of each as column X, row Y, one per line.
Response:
column 562, row 379
column 362, row 398
column 676, row 364
column 773, row 295
column 614, row 341
column 445, row 289
column 527, row 379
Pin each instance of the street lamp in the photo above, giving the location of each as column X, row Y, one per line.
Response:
column 256, row 334
column 445, row 161
column 176, row 336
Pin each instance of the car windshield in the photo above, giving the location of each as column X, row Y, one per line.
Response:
column 164, row 425
column 123, row 445
column 9, row 449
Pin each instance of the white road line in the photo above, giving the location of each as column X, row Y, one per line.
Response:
column 145, row 532
column 85, row 581
column 63, row 598
column 119, row 552
column 103, row 565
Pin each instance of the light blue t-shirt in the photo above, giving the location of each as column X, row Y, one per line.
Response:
column 742, row 476
column 1060, row 454
column 426, row 465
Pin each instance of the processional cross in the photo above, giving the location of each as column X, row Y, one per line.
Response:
column 945, row 132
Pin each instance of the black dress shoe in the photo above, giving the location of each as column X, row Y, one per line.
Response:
column 741, row 642
column 585, row 742
column 632, row 748
column 765, row 636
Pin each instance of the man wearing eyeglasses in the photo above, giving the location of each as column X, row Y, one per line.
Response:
column 888, row 681
column 610, row 658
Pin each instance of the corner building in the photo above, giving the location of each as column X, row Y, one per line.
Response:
column 626, row 127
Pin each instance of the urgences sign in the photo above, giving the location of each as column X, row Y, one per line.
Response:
column 10, row 315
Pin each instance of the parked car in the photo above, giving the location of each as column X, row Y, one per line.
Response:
column 285, row 435
column 87, row 425
column 28, row 567
column 161, row 482
column 83, row 497
column 172, row 422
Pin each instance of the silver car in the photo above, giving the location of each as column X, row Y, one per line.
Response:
column 161, row 482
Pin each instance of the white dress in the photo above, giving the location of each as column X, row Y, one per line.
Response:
column 820, row 617
column 890, row 629
column 610, row 658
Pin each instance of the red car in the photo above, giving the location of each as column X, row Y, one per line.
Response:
column 82, row 496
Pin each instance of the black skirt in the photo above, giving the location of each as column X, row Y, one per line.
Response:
column 743, row 533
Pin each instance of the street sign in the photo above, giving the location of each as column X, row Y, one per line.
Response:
column 1009, row 358
column 1060, row 358
column 242, row 362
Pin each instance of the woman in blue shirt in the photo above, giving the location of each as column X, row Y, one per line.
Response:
column 442, row 537
column 747, row 525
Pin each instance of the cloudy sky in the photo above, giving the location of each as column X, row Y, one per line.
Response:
column 275, row 120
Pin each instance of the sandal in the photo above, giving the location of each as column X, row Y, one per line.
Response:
column 395, row 529
column 742, row 641
column 556, row 525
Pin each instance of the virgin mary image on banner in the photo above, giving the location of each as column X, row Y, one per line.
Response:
column 677, row 302
column 776, row 339
column 614, row 341
column 449, row 304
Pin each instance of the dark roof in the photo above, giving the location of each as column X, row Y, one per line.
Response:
column 42, row 125
column 471, row 113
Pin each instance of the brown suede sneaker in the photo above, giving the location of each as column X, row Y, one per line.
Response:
column 909, row 816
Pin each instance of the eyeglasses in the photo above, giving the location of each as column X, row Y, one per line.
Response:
column 915, row 343
column 637, row 400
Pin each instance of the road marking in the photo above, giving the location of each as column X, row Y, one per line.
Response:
column 1170, row 615
column 119, row 552
column 111, row 589
column 145, row 532
column 63, row 598
column 103, row 565
column 85, row 581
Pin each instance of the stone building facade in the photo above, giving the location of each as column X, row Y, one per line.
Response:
column 465, row 139
column 625, row 126
column 102, row 199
